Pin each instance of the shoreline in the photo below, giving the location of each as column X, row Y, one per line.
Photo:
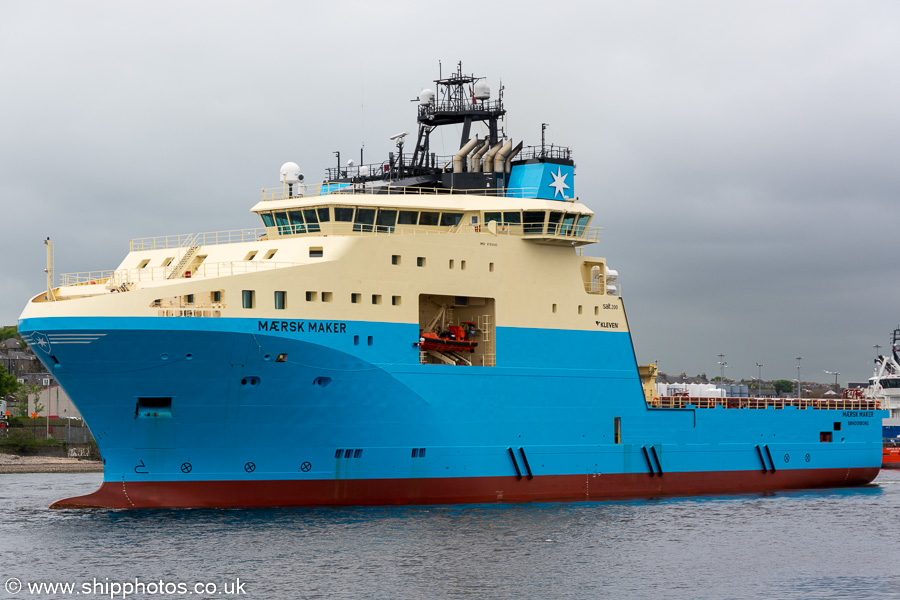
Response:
column 14, row 463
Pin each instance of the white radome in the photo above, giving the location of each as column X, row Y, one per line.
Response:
column 290, row 173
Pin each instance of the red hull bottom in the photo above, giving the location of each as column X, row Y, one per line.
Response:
column 548, row 488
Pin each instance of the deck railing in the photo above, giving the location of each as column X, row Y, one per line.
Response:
column 302, row 190
column 762, row 403
column 207, row 238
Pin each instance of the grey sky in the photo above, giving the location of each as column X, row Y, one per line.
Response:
column 742, row 156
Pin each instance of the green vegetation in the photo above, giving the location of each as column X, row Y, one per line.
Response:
column 783, row 386
column 11, row 332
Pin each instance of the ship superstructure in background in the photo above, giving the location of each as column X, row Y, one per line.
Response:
column 422, row 330
column 884, row 386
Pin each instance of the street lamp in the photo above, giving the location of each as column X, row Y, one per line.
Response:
column 835, row 373
column 722, row 364
column 759, row 380
column 799, row 358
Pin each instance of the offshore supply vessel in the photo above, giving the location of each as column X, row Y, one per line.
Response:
column 423, row 330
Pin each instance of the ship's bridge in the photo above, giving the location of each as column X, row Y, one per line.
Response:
column 379, row 211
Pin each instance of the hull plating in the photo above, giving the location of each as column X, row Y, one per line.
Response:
column 349, row 416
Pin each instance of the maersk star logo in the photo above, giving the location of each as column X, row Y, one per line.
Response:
column 559, row 182
column 41, row 340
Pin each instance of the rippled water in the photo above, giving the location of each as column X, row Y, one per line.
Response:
column 816, row 544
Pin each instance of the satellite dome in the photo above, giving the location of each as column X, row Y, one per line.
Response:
column 426, row 97
column 290, row 173
column 482, row 90
column 364, row 170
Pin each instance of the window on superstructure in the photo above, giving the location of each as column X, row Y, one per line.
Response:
column 247, row 298
column 270, row 254
column 408, row 217
column 512, row 218
column 324, row 216
column 568, row 227
column 596, row 310
column 420, row 261
column 493, row 216
column 312, row 296
column 376, row 298
column 450, row 219
column 462, row 265
column 429, row 218
column 364, row 220
column 553, row 308
column 617, row 430
column 250, row 255
column 298, row 225
column 215, row 296
column 580, row 309
column 533, row 221
column 355, row 298
column 343, row 213
column 167, row 261
column 386, row 220
column 280, row 300
column 312, row 220
column 143, row 263
column 316, row 252
column 554, row 219
column 189, row 299
column 268, row 220
column 395, row 300
column 583, row 220
column 327, row 296
column 491, row 267
column 281, row 219
column 395, row 259
column 451, row 263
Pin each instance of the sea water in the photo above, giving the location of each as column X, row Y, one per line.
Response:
column 835, row 543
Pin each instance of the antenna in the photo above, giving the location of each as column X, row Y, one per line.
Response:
column 49, row 270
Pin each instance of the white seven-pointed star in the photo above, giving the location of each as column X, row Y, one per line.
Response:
column 559, row 182
column 41, row 340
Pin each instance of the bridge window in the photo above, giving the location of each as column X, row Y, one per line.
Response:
column 312, row 220
column 386, row 221
column 297, row 223
column 343, row 214
column 512, row 218
column 408, row 217
column 429, row 218
column 569, row 224
column 267, row 219
column 533, row 221
column 365, row 219
column 450, row 219
column 492, row 216
column 281, row 219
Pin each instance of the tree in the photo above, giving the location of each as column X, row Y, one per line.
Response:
column 782, row 386
column 8, row 384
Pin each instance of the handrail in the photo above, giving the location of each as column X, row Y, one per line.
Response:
column 207, row 238
column 328, row 188
column 763, row 403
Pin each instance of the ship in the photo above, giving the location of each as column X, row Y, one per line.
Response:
column 884, row 386
column 428, row 329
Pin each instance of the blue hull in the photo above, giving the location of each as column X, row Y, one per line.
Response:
column 323, row 402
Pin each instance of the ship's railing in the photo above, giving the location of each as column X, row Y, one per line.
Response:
column 207, row 238
column 762, row 403
column 205, row 270
column 85, row 277
column 342, row 187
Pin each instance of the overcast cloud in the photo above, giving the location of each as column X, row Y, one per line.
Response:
column 742, row 156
